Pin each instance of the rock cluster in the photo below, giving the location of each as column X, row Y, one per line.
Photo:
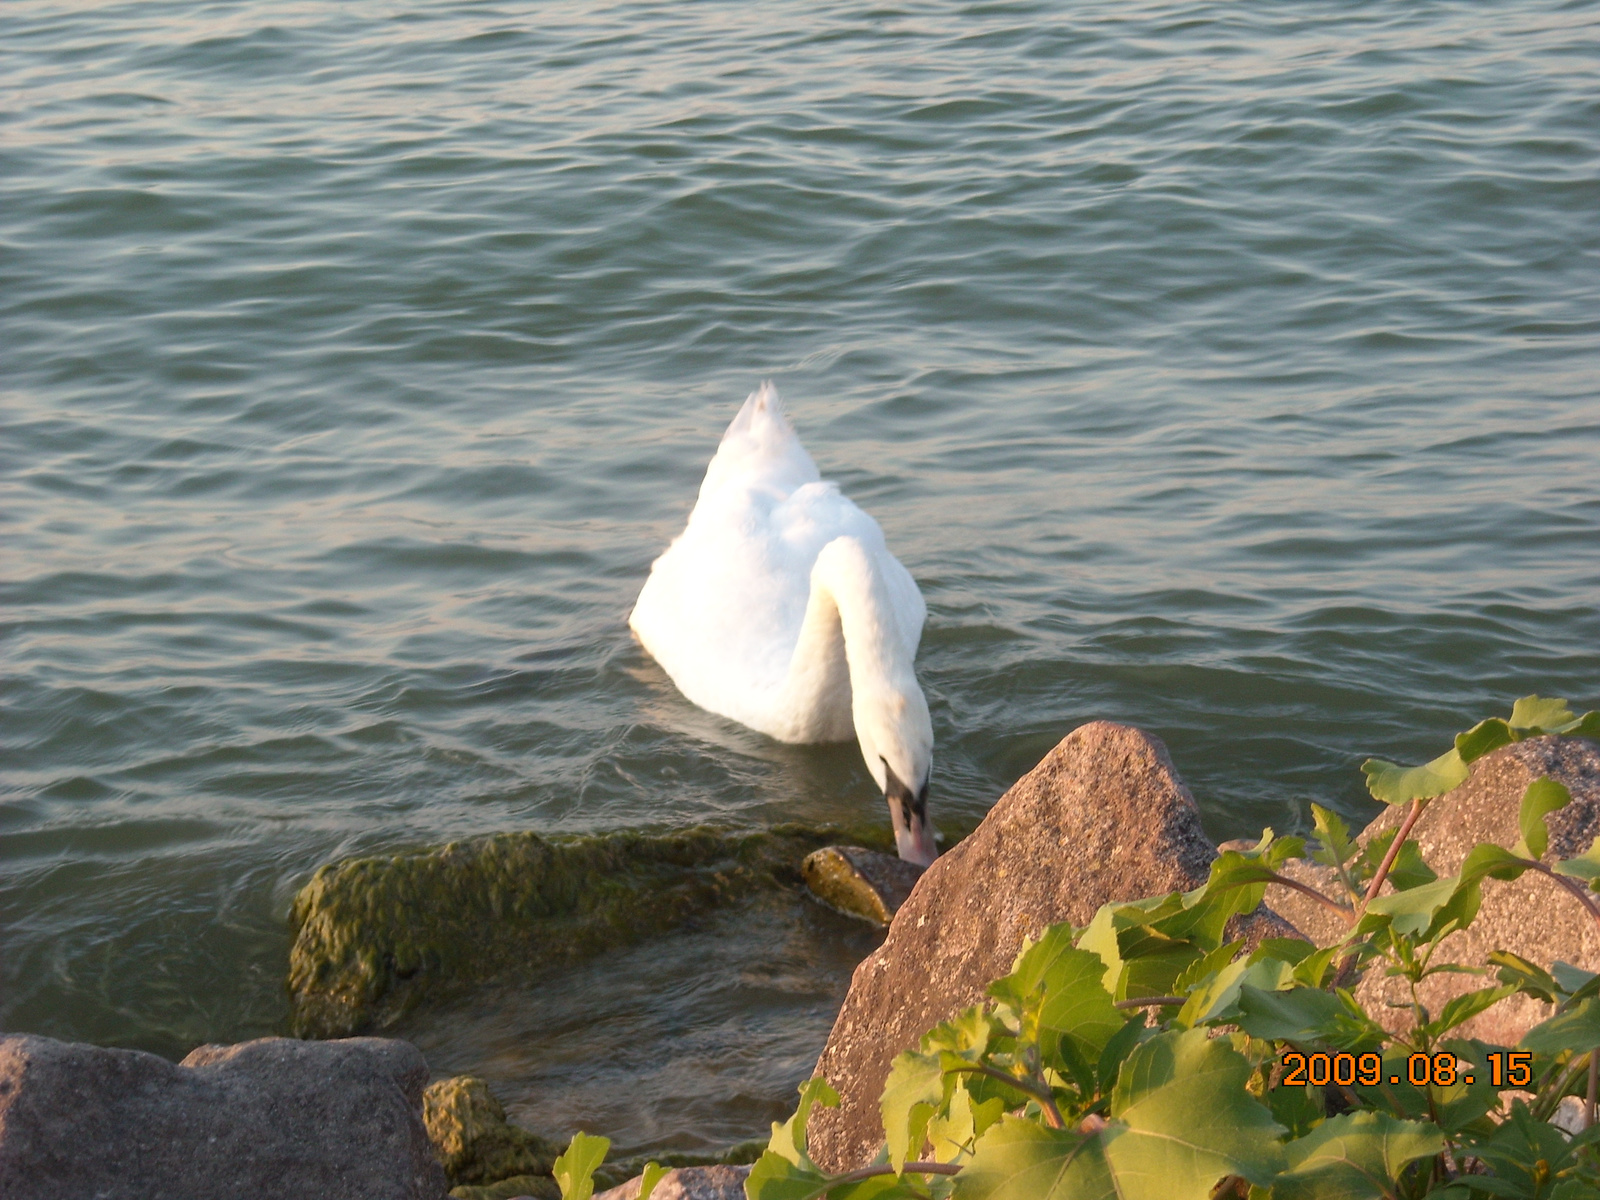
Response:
column 1103, row 817
column 273, row 1119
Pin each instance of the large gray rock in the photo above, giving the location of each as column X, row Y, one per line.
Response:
column 1530, row 916
column 687, row 1183
column 268, row 1119
column 1103, row 817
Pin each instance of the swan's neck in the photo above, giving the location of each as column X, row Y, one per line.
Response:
column 851, row 652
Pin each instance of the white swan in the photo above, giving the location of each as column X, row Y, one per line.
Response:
column 780, row 606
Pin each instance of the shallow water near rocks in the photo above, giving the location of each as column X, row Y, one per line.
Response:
column 1224, row 369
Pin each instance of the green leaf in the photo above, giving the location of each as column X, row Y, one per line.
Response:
column 574, row 1170
column 789, row 1139
column 1401, row 785
column 1537, row 714
column 1077, row 1011
column 1301, row 1014
column 1354, row 1156
column 1297, row 1108
column 1428, row 907
column 1312, row 970
column 1454, row 1107
column 1460, row 1009
column 774, row 1177
column 1482, row 738
column 911, row 1097
column 953, row 1133
column 1023, row 1160
column 1147, row 944
column 1574, row 981
column 1118, row 1049
column 1189, row 1119
column 1577, row 1029
column 1333, row 835
column 1181, row 1121
column 1408, row 869
column 1526, row 1153
column 1527, row 977
column 1544, row 796
column 649, row 1178
column 1493, row 860
column 1586, row 866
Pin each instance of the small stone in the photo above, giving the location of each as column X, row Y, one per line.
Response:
column 688, row 1183
column 860, row 883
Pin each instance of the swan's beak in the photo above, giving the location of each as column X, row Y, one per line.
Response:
column 913, row 832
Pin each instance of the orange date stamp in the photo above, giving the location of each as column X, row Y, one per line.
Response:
column 1506, row 1068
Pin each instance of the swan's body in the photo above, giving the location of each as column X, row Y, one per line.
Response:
column 780, row 607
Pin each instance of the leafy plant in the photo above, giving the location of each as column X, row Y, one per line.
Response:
column 1147, row 1057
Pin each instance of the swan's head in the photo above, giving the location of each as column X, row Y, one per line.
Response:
column 896, row 736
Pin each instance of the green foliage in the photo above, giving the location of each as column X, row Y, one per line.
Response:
column 1143, row 1056
column 1355, row 1156
column 648, row 1179
column 1401, row 785
column 574, row 1170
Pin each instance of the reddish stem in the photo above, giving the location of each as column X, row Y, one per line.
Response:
column 1394, row 851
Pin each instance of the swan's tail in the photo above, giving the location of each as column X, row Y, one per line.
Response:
column 762, row 417
column 761, row 445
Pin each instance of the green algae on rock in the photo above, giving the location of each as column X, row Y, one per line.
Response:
column 485, row 1157
column 860, row 883
column 474, row 1141
column 373, row 935
column 540, row 1187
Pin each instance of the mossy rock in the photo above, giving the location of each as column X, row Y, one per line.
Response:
column 540, row 1187
column 860, row 883
column 373, row 935
column 474, row 1141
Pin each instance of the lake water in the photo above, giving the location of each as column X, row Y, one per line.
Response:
column 1228, row 369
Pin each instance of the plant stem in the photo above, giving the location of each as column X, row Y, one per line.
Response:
column 1578, row 890
column 911, row 1168
column 1394, row 851
column 1594, row 1086
column 1347, row 913
column 1151, row 1001
column 1347, row 964
column 1052, row 1114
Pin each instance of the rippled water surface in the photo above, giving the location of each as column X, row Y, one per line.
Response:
column 1229, row 369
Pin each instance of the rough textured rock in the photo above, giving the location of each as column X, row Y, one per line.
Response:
column 1103, row 817
column 473, row 1139
column 688, row 1183
column 268, row 1119
column 373, row 935
column 860, row 883
column 1530, row 916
